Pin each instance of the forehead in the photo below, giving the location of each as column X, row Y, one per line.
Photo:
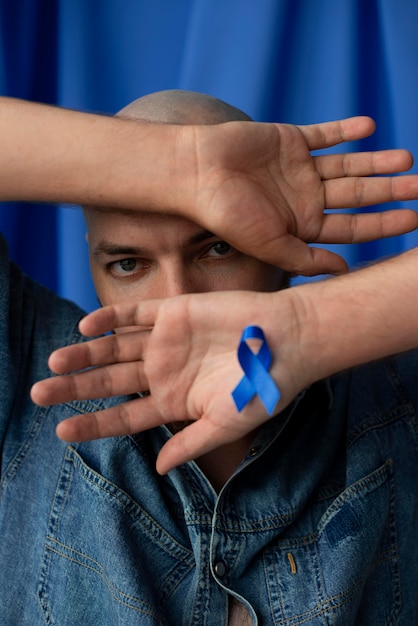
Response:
column 128, row 225
column 125, row 219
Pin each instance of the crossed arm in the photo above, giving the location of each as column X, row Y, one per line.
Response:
column 255, row 185
column 258, row 187
column 313, row 330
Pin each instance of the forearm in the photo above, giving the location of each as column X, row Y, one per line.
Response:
column 57, row 155
column 255, row 185
column 312, row 330
column 366, row 315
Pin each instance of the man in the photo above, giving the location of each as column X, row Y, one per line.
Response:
column 309, row 518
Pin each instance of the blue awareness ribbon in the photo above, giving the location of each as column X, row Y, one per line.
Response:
column 256, row 379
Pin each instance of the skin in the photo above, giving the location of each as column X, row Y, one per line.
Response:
column 257, row 185
column 313, row 330
column 141, row 255
column 260, row 189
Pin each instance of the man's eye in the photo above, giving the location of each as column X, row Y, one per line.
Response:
column 124, row 266
column 220, row 248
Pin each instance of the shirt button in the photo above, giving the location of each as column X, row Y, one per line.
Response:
column 220, row 569
column 254, row 451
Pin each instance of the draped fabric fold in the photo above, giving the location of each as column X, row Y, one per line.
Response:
column 294, row 61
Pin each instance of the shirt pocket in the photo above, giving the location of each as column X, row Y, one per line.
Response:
column 106, row 560
column 347, row 571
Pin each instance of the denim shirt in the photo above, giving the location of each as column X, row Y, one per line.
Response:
column 318, row 525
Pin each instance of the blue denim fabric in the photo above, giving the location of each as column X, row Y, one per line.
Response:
column 319, row 525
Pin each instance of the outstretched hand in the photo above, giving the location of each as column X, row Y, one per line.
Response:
column 269, row 204
column 267, row 195
column 186, row 354
column 190, row 371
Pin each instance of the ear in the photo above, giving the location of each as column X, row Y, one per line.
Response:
column 87, row 237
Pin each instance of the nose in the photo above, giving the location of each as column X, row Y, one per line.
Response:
column 177, row 284
column 178, row 278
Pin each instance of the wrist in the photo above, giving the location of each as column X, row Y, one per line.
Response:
column 283, row 321
column 358, row 317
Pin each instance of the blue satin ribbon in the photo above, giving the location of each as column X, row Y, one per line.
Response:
column 256, row 379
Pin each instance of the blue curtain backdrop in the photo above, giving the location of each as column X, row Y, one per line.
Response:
column 299, row 61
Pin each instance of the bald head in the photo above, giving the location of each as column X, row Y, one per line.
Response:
column 182, row 107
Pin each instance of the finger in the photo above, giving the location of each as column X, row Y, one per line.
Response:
column 190, row 443
column 348, row 228
column 119, row 348
column 363, row 163
column 324, row 262
column 103, row 382
column 295, row 256
column 357, row 192
column 123, row 419
column 329, row 134
column 112, row 317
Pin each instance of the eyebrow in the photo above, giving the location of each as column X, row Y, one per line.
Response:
column 108, row 248
column 113, row 249
column 199, row 237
